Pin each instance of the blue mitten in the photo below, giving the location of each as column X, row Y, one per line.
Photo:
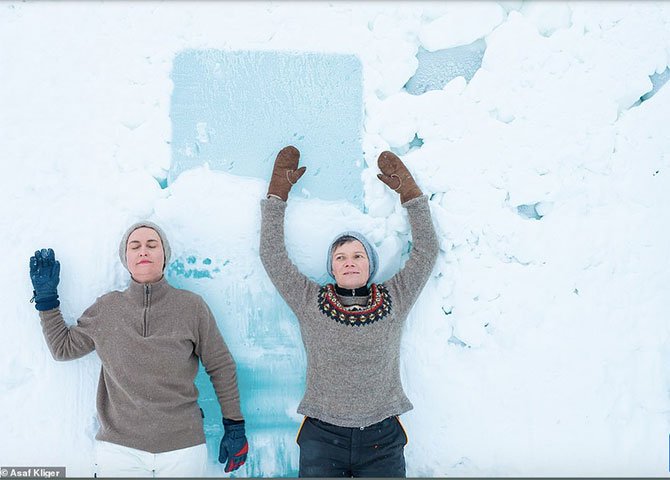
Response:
column 44, row 273
column 234, row 446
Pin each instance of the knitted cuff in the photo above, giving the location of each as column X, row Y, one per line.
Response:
column 47, row 303
column 227, row 422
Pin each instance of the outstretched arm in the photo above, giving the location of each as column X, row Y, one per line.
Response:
column 289, row 281
column 409, row 281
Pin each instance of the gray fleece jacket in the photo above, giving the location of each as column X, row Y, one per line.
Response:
column 352, row 344
column 149, row 339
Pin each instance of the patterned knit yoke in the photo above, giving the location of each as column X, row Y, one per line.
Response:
column 378, row 306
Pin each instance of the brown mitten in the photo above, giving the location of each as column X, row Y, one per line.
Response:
column 286, row 172
column 397, row 177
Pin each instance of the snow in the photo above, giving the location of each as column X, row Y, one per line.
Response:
column 461, row 23
column 539, row 345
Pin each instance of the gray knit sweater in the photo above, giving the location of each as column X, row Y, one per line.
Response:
column 149, row 339
column 353, row 374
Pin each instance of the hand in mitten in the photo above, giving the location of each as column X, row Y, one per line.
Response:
column 397, row 177
column 285, row 173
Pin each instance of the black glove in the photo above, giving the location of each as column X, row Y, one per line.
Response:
column 234, row 447
column 44, row 273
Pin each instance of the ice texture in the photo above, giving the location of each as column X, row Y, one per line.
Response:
column 437, row 68
column 236, row 110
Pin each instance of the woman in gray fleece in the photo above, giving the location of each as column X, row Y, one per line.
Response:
column 351, row 331
column 150, row 339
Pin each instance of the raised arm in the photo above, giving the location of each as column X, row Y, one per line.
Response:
column 65, row 343
column 409, row 281
column 289, row 281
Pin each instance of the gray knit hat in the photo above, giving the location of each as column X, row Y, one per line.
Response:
column 373, row 259
column 145, row 223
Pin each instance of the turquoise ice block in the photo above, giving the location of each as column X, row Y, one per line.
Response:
column 236, row 110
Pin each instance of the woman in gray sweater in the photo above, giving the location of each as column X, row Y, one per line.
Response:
column 351, row 331
column 150, row 339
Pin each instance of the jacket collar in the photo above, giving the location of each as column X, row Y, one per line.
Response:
column 138, row 291
column 363, row 291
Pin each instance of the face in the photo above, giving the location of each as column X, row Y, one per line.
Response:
column 351, row 267
column 145, row 256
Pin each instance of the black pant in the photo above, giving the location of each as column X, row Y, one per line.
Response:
column 327, row 450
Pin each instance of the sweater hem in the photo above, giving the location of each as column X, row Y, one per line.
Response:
column 364, row 420
column 153, row 448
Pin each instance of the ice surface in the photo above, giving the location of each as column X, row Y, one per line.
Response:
column 236, row 110
column 437, row 68
column 658, row 79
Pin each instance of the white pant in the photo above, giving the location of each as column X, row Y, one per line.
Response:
column 112, row 460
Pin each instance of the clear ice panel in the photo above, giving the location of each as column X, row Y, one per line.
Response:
column 234, row 110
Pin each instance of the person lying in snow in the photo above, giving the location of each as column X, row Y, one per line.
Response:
column 149, row 338
column 351, row 331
